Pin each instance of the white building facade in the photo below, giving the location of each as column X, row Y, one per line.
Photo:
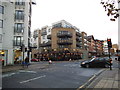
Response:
column 105, row 47
column 15, row 21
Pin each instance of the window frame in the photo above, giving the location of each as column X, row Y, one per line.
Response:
column 1, row 23
column 18, row 40
column 0, row 38
column 2, row 9
column 19, row 15
column 19, row 27
column 20, row 2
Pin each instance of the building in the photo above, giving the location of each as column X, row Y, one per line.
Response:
column 35, row 41
column 62, row 41
column 91, row 46
column 84, row 44
column 15, row 26
column 99, row 47
column 37, row 38
column 115, row 47
column 105, row 48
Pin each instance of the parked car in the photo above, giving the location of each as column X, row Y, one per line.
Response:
column 96, row 62
column 2, row 60
column 34, row 60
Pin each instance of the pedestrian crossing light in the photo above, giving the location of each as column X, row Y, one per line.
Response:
column 109, row 43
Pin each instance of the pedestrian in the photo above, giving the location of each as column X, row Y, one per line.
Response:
column 119, row 62
column 27, row 61
column 50, row 62
column 20, row 59
column 70, row 59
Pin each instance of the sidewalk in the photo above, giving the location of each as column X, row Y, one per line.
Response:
column 108, row 79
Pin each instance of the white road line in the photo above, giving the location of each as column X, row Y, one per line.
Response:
column 33, row 79
column 27, row 71
column 7, row 75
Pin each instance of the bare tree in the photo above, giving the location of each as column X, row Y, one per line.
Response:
column 111, row 8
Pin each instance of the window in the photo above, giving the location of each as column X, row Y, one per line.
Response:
column 19, row 27
column 0, row 38
column 1, row 23
column 57, row 25
column 20, row 2
column 18, row 40
column 49, row 30
column 19, row 15
column 1, row 9
column 44, row 37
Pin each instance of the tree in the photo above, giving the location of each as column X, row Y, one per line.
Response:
column 111, row 8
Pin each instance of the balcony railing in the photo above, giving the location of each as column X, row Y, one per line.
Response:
column 64, row 42
column 85, row 37
column 78, row 44
column 79, row 39
column 49, row 37
column 78, row 34
column 64, row 35
column 45, row 44
column 35, row 35
column 44, row 33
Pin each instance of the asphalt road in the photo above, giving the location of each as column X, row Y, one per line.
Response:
column 57, row 75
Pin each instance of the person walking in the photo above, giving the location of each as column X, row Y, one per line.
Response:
column 27, row 61
column 119, row 62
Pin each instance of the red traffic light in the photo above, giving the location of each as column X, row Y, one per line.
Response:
column 108, row 40
column 109, row 43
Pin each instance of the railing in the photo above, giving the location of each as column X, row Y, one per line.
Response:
column 45, row 44
column 64, row 41
column 78, row 34
column 64, row 34
column 78, row 39
column 44, row 33
column 49, row 37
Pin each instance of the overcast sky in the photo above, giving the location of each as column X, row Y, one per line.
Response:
column 87, row 15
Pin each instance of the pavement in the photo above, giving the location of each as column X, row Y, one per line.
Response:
column 105, row 79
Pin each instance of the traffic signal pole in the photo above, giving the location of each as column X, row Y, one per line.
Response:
column 110, row 60
column 109, row 47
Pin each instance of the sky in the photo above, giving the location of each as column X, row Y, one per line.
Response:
column 89, row 16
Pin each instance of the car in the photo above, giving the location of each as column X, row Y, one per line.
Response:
column 96, row 62
column 34, row 60
column 2, row 60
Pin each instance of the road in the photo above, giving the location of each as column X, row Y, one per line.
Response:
column 57, row 75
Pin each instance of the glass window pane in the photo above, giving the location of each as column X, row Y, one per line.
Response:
column 0, row 38
column 1, row 9
column 18, row 40
column 1, row 23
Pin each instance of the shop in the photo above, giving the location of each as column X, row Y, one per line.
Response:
column 3, row 57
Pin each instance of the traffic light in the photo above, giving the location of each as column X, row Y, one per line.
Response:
column 109, row 43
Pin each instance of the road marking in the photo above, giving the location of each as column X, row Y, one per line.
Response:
column 27, row 71
column 7, row 75
column 33, row 79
